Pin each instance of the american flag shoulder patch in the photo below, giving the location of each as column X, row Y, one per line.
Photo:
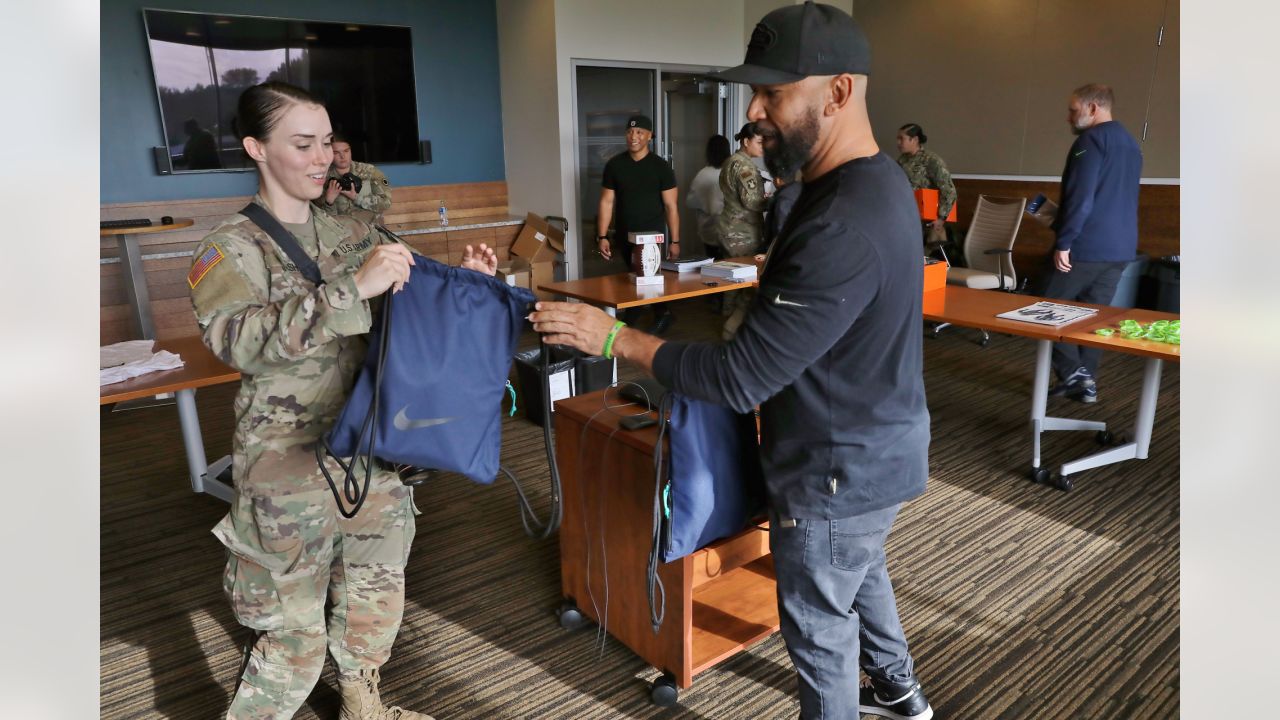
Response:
column 201, row 267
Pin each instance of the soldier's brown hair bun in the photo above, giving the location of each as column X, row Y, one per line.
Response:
column 261, row 107
column 913, row 130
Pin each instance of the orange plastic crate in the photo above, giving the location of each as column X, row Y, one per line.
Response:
column 935, row 274
column 927, row 203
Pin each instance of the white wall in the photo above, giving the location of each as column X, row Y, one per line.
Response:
column 530, row 112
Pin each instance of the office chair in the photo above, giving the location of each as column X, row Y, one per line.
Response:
column 988, row 249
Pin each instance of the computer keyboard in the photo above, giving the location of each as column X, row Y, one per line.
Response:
column 132, row 223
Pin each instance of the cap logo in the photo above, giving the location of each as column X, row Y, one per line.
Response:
column 762, row 38
column 631, row 124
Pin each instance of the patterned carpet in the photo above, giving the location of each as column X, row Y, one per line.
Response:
column 1019, row 600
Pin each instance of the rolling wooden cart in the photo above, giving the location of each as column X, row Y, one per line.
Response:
column 719, row 600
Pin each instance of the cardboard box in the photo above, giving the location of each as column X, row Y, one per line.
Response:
column 538, row 244
column 935, row 274
column 514, row 272
column 927, row 203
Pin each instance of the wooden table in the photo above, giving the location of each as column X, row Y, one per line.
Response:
column 135, row 281
column 719, row 600
column 1155, row 353
column 200, row 369
column 978, row 309
column 619, row 291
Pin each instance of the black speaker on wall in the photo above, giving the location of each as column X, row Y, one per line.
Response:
column 164, row 166
column 425, row 152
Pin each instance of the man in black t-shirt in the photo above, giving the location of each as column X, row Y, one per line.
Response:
column 641, row 188
column 831, row 351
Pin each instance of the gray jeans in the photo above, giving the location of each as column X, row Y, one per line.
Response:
column 837, row 609
column 1090, row 282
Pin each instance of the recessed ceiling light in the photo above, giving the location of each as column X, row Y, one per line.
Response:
column 312, row 37
column 192, row 33
column 353, row 28
column 222, row 21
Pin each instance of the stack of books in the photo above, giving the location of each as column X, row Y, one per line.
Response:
column 729, row 270
column 685, row 264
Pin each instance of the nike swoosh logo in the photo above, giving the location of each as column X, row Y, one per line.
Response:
column 777, row 300
column 1081, row 152
column 403, row 421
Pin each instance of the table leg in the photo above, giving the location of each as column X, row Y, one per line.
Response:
column 135, row 285
column 1040, row 422
column 203, row 478
column 1136, row 450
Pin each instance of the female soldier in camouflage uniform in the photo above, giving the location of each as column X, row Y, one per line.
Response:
column 741, row 224
column 926, row 170
column 298, row 347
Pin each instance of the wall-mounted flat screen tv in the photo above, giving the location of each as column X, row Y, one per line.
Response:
column 203, row 62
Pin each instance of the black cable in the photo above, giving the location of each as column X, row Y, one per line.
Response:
column 533, row 527
column 656, row 591
column 350, row 485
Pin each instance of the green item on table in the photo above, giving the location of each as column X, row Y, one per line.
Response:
column 1165, row 331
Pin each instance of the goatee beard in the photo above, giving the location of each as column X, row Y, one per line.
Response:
column 791, row 151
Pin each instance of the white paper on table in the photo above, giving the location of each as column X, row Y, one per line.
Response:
column 125, row 352
column 163, row 360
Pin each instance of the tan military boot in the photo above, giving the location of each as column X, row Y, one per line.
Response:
column 360, row 700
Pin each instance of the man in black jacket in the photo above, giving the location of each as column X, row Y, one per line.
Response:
column 831, row 351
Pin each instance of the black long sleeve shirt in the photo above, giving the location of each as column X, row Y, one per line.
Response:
column 831, row 349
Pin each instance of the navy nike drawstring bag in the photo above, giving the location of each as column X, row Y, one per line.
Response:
column 716, row 485
column 431, row 389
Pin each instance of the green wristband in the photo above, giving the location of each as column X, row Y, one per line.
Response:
column 608, row 341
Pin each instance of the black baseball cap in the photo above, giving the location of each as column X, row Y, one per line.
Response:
column 797, row 41
column 640, row 121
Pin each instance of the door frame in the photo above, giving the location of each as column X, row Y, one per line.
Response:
column 661, row 141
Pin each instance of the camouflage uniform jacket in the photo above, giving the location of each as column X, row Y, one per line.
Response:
column 926, row 170
column 374, row 195
column 297, row 346
column 740, row 226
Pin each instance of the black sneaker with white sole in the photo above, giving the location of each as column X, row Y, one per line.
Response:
column 900, row 702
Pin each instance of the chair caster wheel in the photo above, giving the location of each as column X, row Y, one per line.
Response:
column 664, row 692
column 1064, row 483
column 1040, row 475
column 571, row 618
column 1104, row 437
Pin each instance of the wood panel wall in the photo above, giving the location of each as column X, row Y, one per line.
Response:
column 412, row 206
column 1158, row 226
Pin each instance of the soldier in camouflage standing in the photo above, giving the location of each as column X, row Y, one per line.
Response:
column 373, row 198
column 298, row 347
column 741, row 224
column 925, row 170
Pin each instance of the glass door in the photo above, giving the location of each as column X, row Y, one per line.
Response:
column 606, row 97
column 694, row 109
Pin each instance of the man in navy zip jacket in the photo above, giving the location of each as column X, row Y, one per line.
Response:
column 831, row 351
column 1096, row 226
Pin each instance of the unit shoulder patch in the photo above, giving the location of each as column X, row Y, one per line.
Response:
column 204, row 264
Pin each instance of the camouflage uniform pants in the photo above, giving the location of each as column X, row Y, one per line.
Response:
column 736, row 305
column 287, row 555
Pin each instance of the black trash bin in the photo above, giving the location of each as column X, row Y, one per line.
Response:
column 1166, row 271
column 529, row 373
column 1127, row 289
column 588, row 372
